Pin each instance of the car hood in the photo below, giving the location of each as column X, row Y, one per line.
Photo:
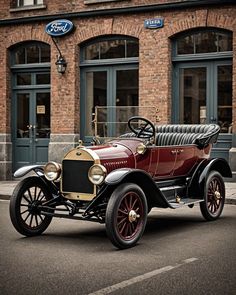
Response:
column 117, row 153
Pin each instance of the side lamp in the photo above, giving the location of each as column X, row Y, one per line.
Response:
column 61, row 64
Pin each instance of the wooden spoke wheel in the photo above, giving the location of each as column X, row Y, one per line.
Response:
column 25, row 203
column 214, row 201
column 126, row 215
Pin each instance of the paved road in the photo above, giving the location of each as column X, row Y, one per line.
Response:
column 178, row 254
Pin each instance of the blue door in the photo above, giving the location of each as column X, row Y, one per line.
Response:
column 31, row 127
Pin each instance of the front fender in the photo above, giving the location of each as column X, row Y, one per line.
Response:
column 155, row 197
column 38, row 169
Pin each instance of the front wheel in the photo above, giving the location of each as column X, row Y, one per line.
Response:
column 25, row 204
column 126, row 215
column 213, row 204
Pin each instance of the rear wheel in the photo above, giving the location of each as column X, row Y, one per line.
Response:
column 25, row 203
column 214, row 201
column 126, row 215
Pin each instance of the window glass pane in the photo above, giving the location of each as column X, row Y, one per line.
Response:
column 92, row 52
column 192, row 96
column 23, row 115
column 96, row 95
column 43, row 115
column 20, row 56
column 185, row 45
column 112, row 49
column 206, row 42
column 32, row 54
column 43, row 78
column 23, row 79
column 45, row 53
column 225, row 42
column 132, row 48
column 224, row 89
column 126, row 98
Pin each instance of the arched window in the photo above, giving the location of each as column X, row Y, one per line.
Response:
column 31, row 53
column 111, row 48
column 209, row 41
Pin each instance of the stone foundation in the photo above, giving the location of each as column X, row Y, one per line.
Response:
column 5, row 157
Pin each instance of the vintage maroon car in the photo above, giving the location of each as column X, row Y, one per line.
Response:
column 117, row 183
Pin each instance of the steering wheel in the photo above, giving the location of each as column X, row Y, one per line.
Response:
column 142, row 127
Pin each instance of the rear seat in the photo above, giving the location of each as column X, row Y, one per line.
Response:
column 201, row 135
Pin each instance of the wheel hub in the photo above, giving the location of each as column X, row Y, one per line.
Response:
column 33, row 207
column 133, row 216
column 217, row 195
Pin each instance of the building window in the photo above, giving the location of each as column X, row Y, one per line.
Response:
column 112, row 49
column 22, row 3
column 31, row 54
column 204, row 42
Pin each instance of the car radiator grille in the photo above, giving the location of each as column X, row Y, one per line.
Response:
column 75, row 177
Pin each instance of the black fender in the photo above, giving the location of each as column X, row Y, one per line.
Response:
column 155, row 197
column 38, row 169
column 197, row 183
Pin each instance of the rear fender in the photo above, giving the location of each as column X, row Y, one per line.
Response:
column 198, row 180
column 38, row 169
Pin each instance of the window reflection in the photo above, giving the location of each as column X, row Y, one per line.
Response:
column 204, row 42
column 224, row 75
column 32, row 53
column 193, row 96
column 109, row 49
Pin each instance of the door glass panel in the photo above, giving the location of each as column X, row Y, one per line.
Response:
column 96, row 95
column 23, row 115
column 224, row 89
column 42, row 115
column 23, row 79
column 43, row 78
column 192, row 95
column 126, row 97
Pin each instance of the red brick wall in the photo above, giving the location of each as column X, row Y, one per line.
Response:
column 155, row 67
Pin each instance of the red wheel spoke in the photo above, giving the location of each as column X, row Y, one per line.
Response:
column 122, row 221
column 123, row 212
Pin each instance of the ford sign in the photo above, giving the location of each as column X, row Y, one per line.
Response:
column 59, row 27
column 154, row 23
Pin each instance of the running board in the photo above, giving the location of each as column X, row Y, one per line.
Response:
column 184, row 202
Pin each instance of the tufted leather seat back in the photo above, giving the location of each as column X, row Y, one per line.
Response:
column 200, row 135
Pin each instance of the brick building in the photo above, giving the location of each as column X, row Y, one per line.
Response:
column 178, row 56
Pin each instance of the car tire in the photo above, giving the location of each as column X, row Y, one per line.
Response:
column 214, row 199
column 24, row 212
column 126, row 215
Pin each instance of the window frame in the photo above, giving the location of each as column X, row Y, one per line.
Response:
column 123, row 60
column 199, row 56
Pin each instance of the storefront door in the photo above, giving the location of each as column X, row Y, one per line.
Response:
column 109, row 93
column 204, row 95
column 31, row 127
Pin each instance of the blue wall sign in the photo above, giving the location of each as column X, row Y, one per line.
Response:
column 154, row 23
column 58, row 28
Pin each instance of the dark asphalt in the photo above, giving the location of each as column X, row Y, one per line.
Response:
column 75, row 257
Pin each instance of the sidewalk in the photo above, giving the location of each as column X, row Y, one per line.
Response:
column 7, row 187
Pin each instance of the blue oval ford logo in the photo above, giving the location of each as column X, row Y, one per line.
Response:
column 59, row 27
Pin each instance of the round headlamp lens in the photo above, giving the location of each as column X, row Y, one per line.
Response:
column 52, row 171
column 97, row 174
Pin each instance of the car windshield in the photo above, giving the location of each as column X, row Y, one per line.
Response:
column 112, row 122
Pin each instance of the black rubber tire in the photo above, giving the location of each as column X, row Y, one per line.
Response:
column 126, row 197
column 30, row 191
column 213, row 204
